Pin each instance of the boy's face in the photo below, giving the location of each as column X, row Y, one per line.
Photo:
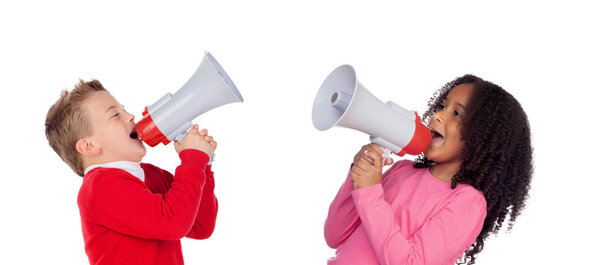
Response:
column 111, row 126
column 446, row 142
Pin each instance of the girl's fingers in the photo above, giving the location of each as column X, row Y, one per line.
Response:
column 363, row 166
column 366, row 157
column 375, row 157
column 353, row 177
column 376, row 148
column 389, row 161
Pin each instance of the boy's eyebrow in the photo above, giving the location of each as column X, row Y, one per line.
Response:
column 114, row 106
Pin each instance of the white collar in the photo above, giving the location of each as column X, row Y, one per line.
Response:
column 132, row 168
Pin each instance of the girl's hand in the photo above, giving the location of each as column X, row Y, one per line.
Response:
column 368, row 164
column 362, row 155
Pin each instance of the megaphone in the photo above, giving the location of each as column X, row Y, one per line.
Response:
column 171, row 116
column 343, row 101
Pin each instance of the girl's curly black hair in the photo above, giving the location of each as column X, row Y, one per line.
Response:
column 497, row 157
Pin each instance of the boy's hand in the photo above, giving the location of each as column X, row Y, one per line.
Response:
column 199, row 140
column 368, row 164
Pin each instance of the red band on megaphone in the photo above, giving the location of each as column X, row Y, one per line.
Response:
column 148, row 132
column 420, row 140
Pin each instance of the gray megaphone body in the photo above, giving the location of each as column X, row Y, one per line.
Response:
column 171, row 116
column 343, row 101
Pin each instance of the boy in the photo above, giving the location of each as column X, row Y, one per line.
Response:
column 131, row 212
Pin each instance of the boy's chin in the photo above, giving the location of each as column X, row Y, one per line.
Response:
column 141, row 156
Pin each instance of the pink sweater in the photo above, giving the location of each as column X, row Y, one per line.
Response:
column 410, row 218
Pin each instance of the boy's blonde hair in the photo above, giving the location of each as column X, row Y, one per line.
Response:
column 67, row 122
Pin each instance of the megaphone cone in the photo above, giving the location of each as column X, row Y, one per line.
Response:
column 171, row 116
column 343, row 101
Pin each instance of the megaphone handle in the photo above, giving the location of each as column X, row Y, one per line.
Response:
column 387, row 153
column 383, row 143
column 180, row 137
column 212, row 158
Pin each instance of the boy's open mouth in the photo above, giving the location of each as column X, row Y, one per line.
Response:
column 133, row 134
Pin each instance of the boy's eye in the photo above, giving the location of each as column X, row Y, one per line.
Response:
column 116, row 115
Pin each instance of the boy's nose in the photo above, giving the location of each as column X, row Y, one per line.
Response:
column 130, row 117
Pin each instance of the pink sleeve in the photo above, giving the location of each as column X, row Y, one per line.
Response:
column 342, row 218
column 442, row 238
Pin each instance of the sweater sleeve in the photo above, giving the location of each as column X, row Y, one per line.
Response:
column 204, row 224
column 442, row 238
column 124, row 204
column 342, row 218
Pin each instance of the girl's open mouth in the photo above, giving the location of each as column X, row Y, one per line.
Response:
column 436, row 136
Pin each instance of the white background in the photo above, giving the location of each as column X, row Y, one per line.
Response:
column 276, row 174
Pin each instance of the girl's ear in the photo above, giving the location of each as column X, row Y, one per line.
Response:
column 87, row 147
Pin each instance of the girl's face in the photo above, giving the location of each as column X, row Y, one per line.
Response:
column 446, row 144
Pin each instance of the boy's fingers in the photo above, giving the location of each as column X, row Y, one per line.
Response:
column 204, row 132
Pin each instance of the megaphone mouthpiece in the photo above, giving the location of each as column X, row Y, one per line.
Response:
column 171, row 116
column 343, row 101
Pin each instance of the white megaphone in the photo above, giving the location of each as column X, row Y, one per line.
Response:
column 343, row 101
column 171, row 116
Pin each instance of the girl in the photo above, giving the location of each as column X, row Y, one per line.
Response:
column 440, row 208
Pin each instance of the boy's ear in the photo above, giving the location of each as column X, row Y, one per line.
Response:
column 87, row 147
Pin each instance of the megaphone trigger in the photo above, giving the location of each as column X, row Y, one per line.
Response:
column 385, row 145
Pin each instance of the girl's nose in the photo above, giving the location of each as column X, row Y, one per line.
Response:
column 437, row 116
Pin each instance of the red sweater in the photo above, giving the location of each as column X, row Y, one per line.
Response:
column 127, row 221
